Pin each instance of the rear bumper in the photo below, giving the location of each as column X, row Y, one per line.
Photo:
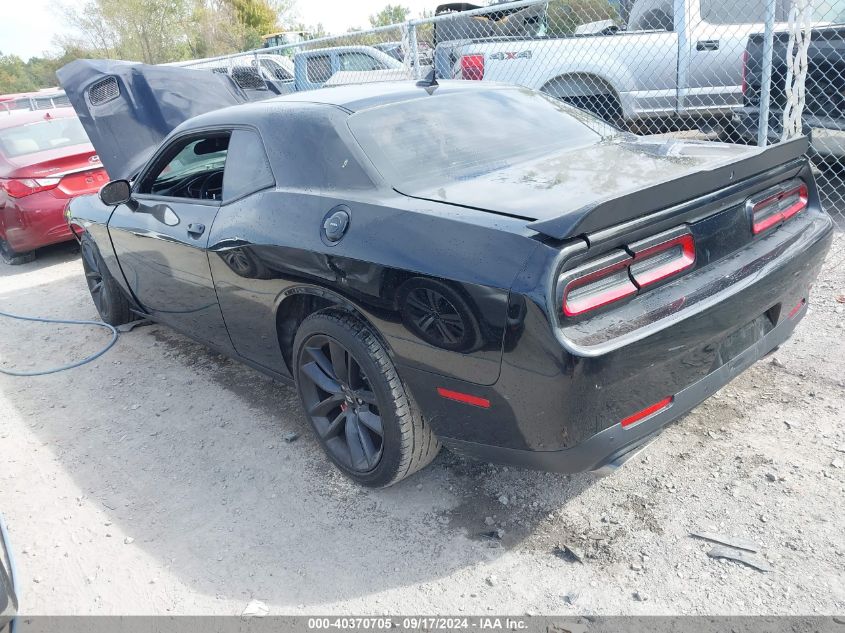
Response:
column 560, row 409
column 615, row 442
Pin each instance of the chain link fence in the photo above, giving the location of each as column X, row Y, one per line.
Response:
column 699, row 69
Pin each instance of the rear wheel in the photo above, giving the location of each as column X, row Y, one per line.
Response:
column 364, row 418
column 111, row 303
column 12, row 258
column 604, row 106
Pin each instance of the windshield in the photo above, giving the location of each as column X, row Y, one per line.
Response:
column 41, row 136
column 463, row 135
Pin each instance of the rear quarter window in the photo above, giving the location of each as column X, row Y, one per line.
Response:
column 247, row 168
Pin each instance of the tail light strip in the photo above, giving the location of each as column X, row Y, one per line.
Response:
column 622, row 275
column 776, row 205
column 22, row 187
column 604, row 281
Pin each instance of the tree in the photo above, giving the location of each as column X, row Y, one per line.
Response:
column 150, row 31
column 157, row 31
column 14, row 75
column 391, row 14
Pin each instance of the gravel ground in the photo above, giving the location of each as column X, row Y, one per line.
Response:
column 158, row 480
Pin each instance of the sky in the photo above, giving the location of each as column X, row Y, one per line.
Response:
column 29, row 28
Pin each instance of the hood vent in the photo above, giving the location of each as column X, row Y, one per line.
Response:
column 104, row 91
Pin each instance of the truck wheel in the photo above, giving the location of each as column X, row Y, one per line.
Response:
column 112, row 305
column 365, row 420
column 12, row 258
column 604, row 106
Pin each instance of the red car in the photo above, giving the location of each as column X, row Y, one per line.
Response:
column 45, row 160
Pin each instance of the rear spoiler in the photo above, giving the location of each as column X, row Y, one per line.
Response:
column 613, row 211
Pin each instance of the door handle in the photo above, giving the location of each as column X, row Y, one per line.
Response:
column 707, row 45
column 196, row 229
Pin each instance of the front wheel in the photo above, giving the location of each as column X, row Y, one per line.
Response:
column 364, row 418
column 111, row 303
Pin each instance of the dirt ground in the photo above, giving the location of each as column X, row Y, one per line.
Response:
column 157, row 480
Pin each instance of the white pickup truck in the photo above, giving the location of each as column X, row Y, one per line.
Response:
column 673, row 57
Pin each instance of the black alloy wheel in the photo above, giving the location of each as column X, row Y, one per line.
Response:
column 112, row 305
column 363, row 416
column 94, row 278
column 342, row 406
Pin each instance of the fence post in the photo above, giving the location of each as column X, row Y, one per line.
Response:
column 766, row 81
column 414, row 52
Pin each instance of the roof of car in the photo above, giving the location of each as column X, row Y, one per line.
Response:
column 357, row 97
column 353, row 98
column 15, row 118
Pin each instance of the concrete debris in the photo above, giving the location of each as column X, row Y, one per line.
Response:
column 736, row 542
column 741, row 557
column 568, row 553
column 255, row 609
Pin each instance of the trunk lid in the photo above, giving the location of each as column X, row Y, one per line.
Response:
column 54, row 162
column 590, row 188
column 127, row 108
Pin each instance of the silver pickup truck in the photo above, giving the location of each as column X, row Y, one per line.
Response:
column 671, row 58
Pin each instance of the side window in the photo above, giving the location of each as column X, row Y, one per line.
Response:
column 652, row 15
column 247, row 167
column 191, row 168
column 319, row 68
column 275, row 70
column 741, row 11
column 359, row 61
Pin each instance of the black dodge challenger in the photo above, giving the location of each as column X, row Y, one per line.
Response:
column 474, row 265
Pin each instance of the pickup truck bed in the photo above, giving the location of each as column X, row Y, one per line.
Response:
column 824, row 110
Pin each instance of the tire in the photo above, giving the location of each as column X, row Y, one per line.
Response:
column 364, row 418
column 12, row 258
column 603, row 106
column 112, row 305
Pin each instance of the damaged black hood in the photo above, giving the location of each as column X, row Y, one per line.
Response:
column 128, row 108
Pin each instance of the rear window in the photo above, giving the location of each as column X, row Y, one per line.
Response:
column 463, row 135
column 41, row 136
column 319, row 68
column 359, row 61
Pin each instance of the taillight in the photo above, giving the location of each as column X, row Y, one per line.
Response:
column 21, row 187
column 777, row 205
column 472, row 67
column 597, row 284
column 661, row 257
column 623, row 274
column 83, row 182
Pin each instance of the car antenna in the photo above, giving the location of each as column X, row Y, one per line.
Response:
column 429, row 83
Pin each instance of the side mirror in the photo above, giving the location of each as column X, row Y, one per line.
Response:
column 115, row 192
